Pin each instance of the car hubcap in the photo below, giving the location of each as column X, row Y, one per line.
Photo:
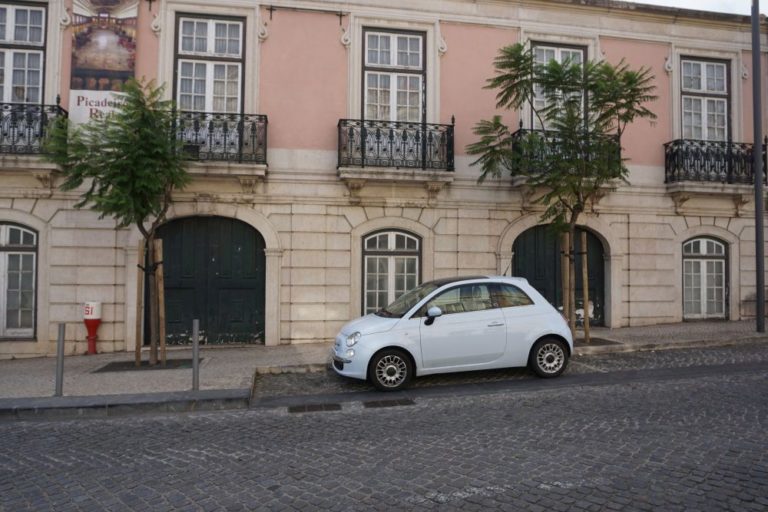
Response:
column 391, row 371
column 550, row 357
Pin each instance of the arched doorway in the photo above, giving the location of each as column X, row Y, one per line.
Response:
column 537, row 258
column 214, row 270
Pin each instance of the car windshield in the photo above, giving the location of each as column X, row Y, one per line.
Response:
column 406, row 301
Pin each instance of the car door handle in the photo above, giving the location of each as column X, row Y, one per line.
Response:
column 496, row 324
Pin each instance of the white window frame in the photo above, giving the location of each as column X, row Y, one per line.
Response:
column 209, row 83
column 698, row 261
column 391, row 254
column 11, row 47
column 6, row 84
column 210, row 37
column 353, row 37
column 10, row 25
column 395, row 72
column 210, row 59
column 26, row 332
column 705, row 95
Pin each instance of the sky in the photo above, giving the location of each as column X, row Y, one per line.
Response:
column 730, row 6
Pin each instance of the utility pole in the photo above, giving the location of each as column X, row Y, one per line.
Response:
column 757, row 165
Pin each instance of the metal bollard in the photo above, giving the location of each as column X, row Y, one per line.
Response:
column 60, row 361
column 195, row 354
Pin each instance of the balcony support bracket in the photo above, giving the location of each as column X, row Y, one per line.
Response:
column 249, row 184
column 433, row 189
column 679, row 198
column 739, row 201
column 354, row 186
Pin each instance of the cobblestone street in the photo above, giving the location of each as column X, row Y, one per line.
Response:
column 671, row 430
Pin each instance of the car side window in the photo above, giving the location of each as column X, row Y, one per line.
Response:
column 462, row 299
column 508, row 296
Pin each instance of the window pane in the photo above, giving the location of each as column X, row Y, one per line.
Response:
column 716, row 77
column 691, row 75
column 511, row 296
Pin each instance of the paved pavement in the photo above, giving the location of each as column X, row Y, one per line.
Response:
column 228, row 374
column 673, row 431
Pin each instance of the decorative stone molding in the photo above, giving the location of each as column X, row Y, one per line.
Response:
column 248, row 183
column 668, row 64
column 526, row 196
column 739, row 201
column 262, row 32
column 346, row 36
column 46, row 179
column 680, row 198
column 440, row 43
column 66, row 19
column 356, row 178
column 744, row 72
column 433, row 188
column 681, row 192
column 354, row 186
column 157, row 24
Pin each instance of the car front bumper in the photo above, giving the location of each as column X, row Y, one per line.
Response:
column 353, row 367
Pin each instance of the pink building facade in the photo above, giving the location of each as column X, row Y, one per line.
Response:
column 327, row 142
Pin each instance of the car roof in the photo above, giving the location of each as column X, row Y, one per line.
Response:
column 449, row 280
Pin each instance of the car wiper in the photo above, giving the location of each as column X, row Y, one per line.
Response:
column 383, row 312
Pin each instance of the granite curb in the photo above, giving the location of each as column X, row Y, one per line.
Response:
column 102, row 406
column 111, row 405
column 645, row 346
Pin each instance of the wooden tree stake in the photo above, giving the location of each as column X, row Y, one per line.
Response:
column 160, row 283
column 140, row 302
column 585, row 284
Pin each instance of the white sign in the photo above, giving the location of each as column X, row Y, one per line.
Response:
column 85, row 105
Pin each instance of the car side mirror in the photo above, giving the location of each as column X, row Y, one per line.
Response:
column 433, row 313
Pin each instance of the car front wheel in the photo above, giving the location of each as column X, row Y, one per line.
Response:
column 549, row 357
column 390, row 370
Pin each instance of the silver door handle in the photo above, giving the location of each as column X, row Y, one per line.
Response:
column 496, row 324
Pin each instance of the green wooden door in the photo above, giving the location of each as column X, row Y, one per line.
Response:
column 214, row 271
column 537, row 258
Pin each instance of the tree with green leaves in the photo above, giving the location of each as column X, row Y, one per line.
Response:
column 128, row 163
column 579, row 112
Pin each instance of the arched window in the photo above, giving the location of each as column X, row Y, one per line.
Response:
column 704, row 278
column 391, row 266
column 18, row 269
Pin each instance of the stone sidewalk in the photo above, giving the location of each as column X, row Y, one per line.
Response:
column 226, row 373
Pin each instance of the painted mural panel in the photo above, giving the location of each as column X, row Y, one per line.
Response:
column 103, row 54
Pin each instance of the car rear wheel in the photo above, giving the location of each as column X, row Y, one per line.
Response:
column 390, row 370
column 549, row 357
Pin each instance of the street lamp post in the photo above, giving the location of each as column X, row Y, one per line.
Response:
column 757, row 163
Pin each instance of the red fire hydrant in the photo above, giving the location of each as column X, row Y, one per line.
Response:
column 92, row 320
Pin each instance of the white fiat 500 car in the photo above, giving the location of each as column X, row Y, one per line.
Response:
column 454, row 325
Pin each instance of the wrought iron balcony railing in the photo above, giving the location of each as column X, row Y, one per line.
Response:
column 532, row 146
column 23, row 126
column 708, row 161
column 395, row 144
column 223, row 137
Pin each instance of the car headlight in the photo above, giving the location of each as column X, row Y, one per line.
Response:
column 353, row 338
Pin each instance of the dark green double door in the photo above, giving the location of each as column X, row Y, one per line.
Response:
column 537, row 258
column 214, row 271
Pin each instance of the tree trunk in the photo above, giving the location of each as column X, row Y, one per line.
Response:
column 585, row 284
